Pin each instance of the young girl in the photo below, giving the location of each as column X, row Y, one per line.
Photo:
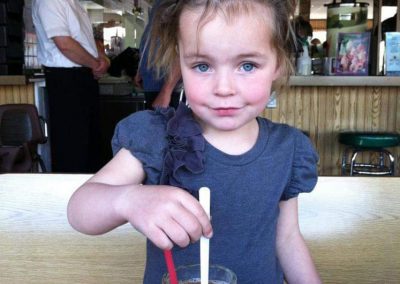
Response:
column 230, row 53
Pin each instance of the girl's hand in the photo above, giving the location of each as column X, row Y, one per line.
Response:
column 166, row 215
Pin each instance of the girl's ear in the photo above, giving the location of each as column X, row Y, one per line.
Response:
column 278, row 73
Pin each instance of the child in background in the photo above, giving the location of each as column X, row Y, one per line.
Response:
column 230, row 53
column 161, row 90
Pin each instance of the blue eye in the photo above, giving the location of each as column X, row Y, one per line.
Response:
column 202, row 67
column 248, row 67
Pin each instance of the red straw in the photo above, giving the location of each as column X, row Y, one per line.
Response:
column 171, row 267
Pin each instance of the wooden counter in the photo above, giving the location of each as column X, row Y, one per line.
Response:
column 316, row 105
column 372, row 81
column 12, row 80
column 16, row 89
column 321, row 105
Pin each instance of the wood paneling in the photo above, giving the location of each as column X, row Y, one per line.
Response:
column 17, row 94
column 325, row 111
column 322, row 111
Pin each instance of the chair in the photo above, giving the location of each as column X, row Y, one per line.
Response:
column 21, row 130
column 372, row 142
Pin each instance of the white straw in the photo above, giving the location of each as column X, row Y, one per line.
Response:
column 204, row 198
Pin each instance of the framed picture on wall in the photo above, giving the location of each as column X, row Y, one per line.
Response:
column 353, row 54
column 392, row 54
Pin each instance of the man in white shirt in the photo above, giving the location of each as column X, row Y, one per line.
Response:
column 72, row 64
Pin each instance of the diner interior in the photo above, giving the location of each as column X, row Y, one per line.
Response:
column 322, row 104
column 350, row 221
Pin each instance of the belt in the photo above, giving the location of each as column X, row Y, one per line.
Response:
column 67, row 69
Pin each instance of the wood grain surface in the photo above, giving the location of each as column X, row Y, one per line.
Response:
column 17, row 94
column 324, row 111
column 351, row 224
column 37, row 245
column 352, row 227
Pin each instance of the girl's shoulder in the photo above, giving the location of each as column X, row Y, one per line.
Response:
column 300, row 156
column 287, row 138
column 281, row 130
column 142, row 129
column 147, row 119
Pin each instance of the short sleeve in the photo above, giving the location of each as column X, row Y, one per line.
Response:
column 144, row 134
column 53, row 15
column 304, row 168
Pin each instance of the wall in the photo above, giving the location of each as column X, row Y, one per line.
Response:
column 324, row 111
column 20, row 94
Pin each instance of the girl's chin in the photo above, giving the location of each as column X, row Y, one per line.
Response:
column 229, row 124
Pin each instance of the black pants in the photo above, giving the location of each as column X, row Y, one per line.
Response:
column 74, row 119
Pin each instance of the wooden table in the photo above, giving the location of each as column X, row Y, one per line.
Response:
column 37, row 245
column 352, row 226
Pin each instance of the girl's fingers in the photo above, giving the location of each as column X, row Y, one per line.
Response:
column 176, row 233
column 200, row 215
column 190, row 224
column 158, row 237
column 175, row 217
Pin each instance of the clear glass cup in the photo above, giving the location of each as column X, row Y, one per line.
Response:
column 190, row 274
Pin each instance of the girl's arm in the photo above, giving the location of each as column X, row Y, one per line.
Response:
column 292, row 251
column 93, row 208
column 115, row 196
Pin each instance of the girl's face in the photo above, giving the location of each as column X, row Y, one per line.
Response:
column 227, row 66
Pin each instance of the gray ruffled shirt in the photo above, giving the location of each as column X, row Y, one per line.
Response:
column 245, row 193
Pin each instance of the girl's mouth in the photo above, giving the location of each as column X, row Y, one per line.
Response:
column 226, row 111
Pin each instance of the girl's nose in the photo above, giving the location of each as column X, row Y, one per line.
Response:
column 224, row 84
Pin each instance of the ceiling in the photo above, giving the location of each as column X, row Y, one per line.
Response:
column 126, row 5
column 318, row 9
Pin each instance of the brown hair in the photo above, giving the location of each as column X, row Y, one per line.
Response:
column 164, row 34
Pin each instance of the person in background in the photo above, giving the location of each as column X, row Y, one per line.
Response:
column 255, row 168
column 316, row 49
column 160, row 88
column 304, row 32
column 72, row 64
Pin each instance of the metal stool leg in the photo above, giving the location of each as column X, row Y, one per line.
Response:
column 391, row 161
column 382, row 159
column 344, row 161
column 353, row 161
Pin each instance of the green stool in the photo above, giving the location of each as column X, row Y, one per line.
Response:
column 358, row 142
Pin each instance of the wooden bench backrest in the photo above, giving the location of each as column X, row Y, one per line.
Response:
column 351, row 224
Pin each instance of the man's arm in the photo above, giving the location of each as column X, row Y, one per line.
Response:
column 71, row 49
column 104, row 60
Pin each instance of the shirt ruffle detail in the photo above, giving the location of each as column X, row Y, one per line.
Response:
column 185, row 151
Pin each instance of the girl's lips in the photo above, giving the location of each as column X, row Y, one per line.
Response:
column 226, row 111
